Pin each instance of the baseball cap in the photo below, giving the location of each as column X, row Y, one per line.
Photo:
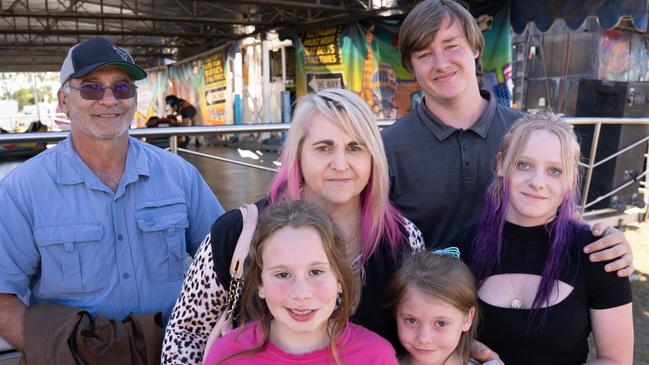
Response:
column 87, row 56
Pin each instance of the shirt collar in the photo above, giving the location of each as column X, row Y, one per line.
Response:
column 140, row 164
column 441, row 131
column 72, row 170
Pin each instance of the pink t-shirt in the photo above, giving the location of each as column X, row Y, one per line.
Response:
column 356, row 345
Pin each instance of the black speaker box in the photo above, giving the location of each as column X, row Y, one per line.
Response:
column 613, row 99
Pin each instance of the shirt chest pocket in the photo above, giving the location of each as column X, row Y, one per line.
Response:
column 73, row 258
column 163, row 227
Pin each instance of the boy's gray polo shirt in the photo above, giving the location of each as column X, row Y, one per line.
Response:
column 439, row 174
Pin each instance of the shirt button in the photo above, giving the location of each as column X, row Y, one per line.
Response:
column 125, row 275
column 120, row 237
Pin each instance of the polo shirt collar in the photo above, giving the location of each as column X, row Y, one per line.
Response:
column 441, row 131
column 72, row 170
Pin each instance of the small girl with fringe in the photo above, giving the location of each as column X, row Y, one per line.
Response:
column 539, row 295
column 299, row 293
column 433, row 297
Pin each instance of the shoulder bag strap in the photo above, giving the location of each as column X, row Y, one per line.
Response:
column 249, row 213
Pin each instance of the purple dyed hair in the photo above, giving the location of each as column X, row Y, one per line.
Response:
column 350, row 113
column 487, row 244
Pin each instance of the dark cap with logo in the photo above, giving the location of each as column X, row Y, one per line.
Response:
column 90, row 55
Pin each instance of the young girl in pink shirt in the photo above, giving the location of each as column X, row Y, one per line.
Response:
column 300, row 291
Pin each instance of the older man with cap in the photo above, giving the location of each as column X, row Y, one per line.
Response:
column 102, row 221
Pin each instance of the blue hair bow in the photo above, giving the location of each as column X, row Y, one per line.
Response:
column 451, row 251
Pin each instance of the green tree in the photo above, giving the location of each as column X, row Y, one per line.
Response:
column 46, row 84
column 47, row 93
column 6, row 79
column 23, row 96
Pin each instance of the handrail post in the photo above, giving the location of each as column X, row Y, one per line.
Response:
column 591, row 163
column 173, row 144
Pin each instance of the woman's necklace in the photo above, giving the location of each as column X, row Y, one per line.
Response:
column 353, row 245
column 353, row 248
column 516, row 302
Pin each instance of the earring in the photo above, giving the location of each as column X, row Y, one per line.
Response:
column 339, row 300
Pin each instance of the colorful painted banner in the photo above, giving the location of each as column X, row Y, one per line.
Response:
column 151, row 96
column 496, row 58
column 202, row 82
column 187, row 82
column 618, row 60
column 364, row 58
column 358, row 57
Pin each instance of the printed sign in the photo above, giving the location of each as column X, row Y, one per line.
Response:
column 316, row 82
column 321, row 47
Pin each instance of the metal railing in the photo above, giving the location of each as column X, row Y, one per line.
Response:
column 174, row 132
column 592, row 164
column 12, row 122
column 153, row 132
column 167, row 131
column 171, row 132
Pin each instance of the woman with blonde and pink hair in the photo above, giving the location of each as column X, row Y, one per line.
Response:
column 334, row 157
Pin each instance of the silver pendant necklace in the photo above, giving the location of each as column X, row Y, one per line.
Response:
column 516, row 302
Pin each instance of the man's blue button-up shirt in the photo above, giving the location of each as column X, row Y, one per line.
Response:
column 68, row 238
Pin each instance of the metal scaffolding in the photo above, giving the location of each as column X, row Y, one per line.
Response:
column 36, row 34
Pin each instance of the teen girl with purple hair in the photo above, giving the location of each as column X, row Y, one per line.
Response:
column 540, row 295
column 334, row 157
